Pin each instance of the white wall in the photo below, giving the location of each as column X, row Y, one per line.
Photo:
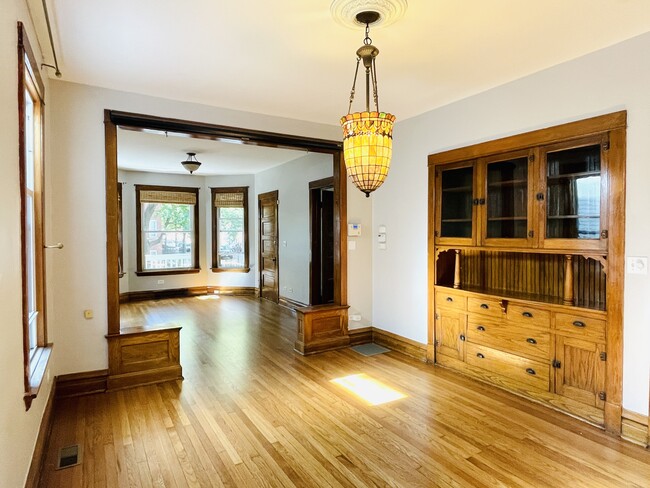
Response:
column 78, row 203
column 18, row 429
column 613, row 79
column 292, row 182
column 360, row 259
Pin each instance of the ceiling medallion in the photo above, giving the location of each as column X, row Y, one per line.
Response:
column 345, row 11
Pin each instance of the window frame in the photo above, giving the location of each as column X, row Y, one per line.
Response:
column 30, row 82
column 138, row 222
column 215, row 233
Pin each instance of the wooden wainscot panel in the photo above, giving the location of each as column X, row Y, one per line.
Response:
column 322, row 328
column 140, row 356
column 635, row 428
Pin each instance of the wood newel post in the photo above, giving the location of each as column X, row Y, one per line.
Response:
column 568, row 280
column 457, row 269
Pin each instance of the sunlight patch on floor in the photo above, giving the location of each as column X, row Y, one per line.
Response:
column 368, row 389
column 208, row 297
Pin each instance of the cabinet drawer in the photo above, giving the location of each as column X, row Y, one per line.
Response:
column 449, row 299
column 530, row 343
column 485, row 306
column 524, row 371
column 582, row 327
column 523, row 315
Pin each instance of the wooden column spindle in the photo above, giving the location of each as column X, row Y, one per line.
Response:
column 568, row 280
column 457, row 269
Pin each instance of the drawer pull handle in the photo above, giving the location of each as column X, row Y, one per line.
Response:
column 530, row 371
column 530, row 340
column 481, row 328
column 462, row 337
column 479, row 355
column 449, row 299
column 527, row 314
column 485, row 306
column 578, row 323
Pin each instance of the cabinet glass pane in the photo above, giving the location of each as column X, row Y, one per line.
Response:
column 456, row 206
column 507, row 197
column 573, row 193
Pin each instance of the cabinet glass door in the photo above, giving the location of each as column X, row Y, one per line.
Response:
column 456, row 194
column 507, row 199
column 573, row 193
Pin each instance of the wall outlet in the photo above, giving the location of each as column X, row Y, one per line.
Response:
column 355, row 317
column 161, row 282
column 290, row 290
column 88, row 314
column 637, row 265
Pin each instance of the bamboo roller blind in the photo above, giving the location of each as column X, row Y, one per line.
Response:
column 229, row 199
column 161, row 196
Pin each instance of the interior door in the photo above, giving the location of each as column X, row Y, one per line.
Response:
column 321, row 287
column 268, row 245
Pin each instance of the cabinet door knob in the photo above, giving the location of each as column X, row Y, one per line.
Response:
column 449, row 299
column 530, row 340
column 462, row 337
column 479, row 355
column 530, row 371
column 578, row 323
column 481, row 328
column 485, row 306
column 527, row 314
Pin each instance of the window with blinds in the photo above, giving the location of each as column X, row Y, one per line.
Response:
column 167, row 220
column 230, row 229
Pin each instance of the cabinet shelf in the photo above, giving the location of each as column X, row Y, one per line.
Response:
column 582, row 174
column 456, row 220
column 458, row 189
column 506, row 219
column 508, row 183
column 561, row 217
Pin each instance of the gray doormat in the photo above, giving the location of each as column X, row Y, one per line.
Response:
column 369, row 349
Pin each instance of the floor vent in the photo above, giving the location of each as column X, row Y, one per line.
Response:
column 370, row 349
column 69, row 456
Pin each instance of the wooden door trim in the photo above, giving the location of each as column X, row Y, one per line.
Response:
column 139, row 122
column 269, row 195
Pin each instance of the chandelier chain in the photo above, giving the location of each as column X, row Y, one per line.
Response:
column 375, row 94
column 354, row 84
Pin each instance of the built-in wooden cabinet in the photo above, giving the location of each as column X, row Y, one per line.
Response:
column 526, row 264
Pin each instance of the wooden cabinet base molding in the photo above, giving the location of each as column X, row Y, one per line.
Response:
column 139, row 356
column 322, row 328
column 635, row 428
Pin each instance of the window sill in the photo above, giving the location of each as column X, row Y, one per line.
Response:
column 163, row 272
column 37, row 368
column 230, row 270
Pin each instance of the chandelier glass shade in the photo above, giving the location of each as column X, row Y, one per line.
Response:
column 191, row 164
column 367, row 148
column 367, row 135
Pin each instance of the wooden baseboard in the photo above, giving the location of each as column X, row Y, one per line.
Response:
column 635, row 428
column 401, row 344
column 42, row 440
column 362, row 335
column 138, row 296
column 85, row 383
column 289, row 303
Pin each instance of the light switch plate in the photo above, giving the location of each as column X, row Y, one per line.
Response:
column 352, row 245
column 637, row 265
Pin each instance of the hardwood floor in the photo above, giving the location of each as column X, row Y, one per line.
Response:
column 251, row 413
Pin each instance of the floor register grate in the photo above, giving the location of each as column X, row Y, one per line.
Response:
column 370, row 349
column 69, row 456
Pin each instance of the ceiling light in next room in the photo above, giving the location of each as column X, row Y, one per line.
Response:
column 191, row 164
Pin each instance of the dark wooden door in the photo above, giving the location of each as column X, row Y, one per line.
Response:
column 268, row 245
column 321, row 286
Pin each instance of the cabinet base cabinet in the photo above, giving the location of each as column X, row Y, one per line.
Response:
column 527, row 348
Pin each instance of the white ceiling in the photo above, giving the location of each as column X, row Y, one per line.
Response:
column 290, row 58
column 157, row 153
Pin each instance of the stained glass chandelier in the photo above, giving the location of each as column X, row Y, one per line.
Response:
column 367, row 136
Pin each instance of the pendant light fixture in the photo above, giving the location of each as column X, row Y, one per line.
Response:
column 191, row 164
column 367, row 136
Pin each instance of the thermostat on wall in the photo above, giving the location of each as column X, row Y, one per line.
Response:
column 354, row 230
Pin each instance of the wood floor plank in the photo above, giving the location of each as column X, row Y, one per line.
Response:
column 253, row 413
